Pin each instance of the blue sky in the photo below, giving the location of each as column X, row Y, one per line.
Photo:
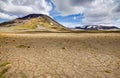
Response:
column 67, row 20
column 69, row 13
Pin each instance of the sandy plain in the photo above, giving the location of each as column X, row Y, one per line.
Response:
column 59, row 55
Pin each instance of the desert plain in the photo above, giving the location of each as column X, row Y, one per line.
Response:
column 59, row 55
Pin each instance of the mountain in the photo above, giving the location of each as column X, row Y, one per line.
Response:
column 97, row 27
column 33, row 22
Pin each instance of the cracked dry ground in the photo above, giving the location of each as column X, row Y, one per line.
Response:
column 60, row 55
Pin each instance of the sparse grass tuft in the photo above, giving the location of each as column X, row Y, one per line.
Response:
column 1, row 76
column 3, row 69
column 3, row 72
column 22, row 46
column 107, row 71
column 4, row 64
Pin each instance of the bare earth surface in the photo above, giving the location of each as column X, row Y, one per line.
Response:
column 60, row 55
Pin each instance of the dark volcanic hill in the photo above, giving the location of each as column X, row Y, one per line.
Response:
column 39, row 22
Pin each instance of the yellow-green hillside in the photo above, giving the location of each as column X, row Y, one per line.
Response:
column 35, row 22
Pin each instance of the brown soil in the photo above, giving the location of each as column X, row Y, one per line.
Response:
column 60, row 55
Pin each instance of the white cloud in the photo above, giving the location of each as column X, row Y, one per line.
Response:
column 66, row 8
column 95, row 11
column 24, row 7
column 6, row 16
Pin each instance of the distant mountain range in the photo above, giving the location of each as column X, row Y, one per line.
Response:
column 41, row 22
column 96, row 27
column 34, row 22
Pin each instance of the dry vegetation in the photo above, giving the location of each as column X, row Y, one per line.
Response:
column 32, row 24
column 60, row 55
column 4, row 67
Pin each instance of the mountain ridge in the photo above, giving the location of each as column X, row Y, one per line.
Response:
column 41, row 22
column 35, row 22
column 96, row 27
